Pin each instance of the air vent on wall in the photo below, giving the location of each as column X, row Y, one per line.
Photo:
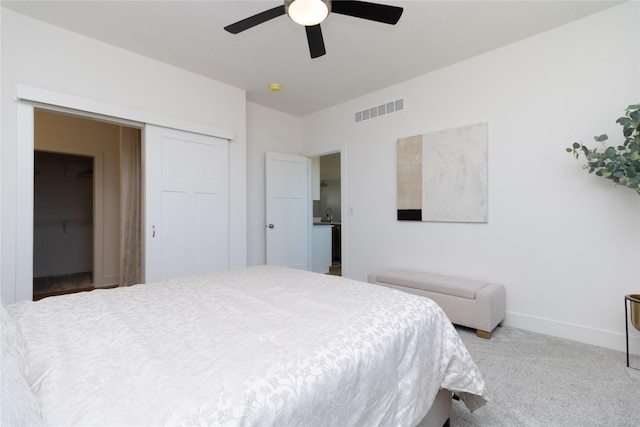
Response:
column 380, row 110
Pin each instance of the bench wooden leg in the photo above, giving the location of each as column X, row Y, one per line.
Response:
column 483, row 334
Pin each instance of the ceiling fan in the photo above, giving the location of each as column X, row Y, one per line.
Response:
column 311, row 13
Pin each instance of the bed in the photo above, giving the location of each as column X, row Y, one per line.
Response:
column 257, row 346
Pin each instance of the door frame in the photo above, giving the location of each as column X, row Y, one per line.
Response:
column 28, row 98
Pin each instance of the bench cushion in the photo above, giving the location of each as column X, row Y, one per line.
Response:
column 456, row 286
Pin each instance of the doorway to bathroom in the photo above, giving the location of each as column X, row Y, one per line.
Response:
column 327, row 206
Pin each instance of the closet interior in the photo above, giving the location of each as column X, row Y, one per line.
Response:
column 63, row 223
column 87, row 195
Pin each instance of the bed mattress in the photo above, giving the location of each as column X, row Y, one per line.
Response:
column 258, row 346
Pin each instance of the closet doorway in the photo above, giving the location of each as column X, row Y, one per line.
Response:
column 63, row 223
column 86, row 193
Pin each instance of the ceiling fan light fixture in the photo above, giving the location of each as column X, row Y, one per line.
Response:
column 308, row 12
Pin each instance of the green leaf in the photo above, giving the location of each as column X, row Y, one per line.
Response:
column 624, row 121
column 610, row 152
column 620, row 163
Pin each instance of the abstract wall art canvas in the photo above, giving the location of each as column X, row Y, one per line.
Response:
column 442, row 176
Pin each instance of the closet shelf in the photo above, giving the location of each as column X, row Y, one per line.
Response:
column 63, row 223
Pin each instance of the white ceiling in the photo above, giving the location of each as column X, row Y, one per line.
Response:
column 362, row 56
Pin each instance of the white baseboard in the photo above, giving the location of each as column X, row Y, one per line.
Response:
column 599, row 337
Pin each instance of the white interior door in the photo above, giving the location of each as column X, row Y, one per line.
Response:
column 287, row 210
column 186, row 219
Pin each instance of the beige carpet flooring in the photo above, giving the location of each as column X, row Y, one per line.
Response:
column 335, row 270
column 59, row 285
column 538, row 380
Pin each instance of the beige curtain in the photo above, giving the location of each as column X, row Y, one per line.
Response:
column 131, row 263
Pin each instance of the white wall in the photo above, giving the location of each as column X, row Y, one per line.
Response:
column 47, row 57
column 267, row 130
column 565, row 244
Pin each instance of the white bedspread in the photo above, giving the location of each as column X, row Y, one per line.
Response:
column 259, row 346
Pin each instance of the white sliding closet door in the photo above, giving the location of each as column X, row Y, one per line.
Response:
column 186, row 221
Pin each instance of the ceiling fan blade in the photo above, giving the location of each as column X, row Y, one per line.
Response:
column 254, row 20
column 366, row 10
column 316, row 42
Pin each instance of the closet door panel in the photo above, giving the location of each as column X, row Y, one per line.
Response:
column 208, row 239
column 175, row 234
column 187, row 203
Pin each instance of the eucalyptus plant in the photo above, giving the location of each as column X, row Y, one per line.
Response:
column 620, row 164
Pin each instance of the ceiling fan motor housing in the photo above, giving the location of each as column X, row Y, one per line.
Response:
column 307, row 12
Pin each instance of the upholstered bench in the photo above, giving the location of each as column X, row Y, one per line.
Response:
column 473, row 303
